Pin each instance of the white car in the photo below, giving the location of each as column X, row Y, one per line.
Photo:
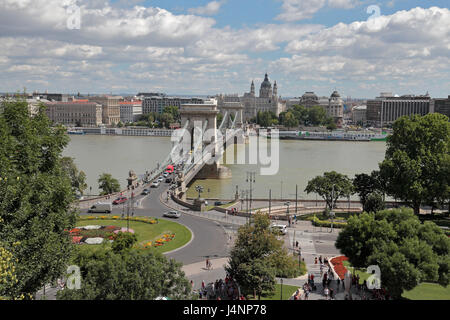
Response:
column 172, row 214
column 165, row 174
column 155, row 184
column 160, row 178
column 279, row 228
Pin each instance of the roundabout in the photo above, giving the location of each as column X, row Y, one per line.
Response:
column 159, row 235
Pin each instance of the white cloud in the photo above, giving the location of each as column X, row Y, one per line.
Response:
column 294, row 10
column 211, row 8
column 343, row 4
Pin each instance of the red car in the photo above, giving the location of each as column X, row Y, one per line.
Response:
column 120, row 200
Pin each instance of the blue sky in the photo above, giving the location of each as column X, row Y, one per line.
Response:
column 210, row 47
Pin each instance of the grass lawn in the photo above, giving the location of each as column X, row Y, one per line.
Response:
column 146, row 232
column 321, row 216
column 428, row 291
column 363, row 275
column 287, row 292
column 424, row 291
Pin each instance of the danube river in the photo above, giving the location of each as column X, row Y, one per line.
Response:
column 299, row 162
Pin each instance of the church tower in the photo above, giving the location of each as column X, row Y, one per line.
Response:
column 275, row 90
column 266, row 88
column 252, row 89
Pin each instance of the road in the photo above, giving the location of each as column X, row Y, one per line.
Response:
column 209, row 237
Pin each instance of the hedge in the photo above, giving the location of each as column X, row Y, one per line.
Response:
column 327, row 223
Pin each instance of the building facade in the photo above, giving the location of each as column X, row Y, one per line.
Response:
column 268, row 100
column 387, row 108
column 130, row 110
column 110, row 108
column 359, row 115
column 442, row 106
column 157, row 103
column 75, row 113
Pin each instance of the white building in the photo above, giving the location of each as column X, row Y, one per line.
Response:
column 130, row 110
column 268, row 100
column 359, row 115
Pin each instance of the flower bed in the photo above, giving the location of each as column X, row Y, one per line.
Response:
column 140, row 219
column 160, row 242
column 339, row 267
column 93, row 234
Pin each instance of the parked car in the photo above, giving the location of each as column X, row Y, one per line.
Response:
column 279, row 228
column 161, row 178
column 172, row 214
column 168, row 180
column 218, row 203
column 120, row 200
column 145, row 192
column 165, row 174
column 155, row 184
column 101, row 207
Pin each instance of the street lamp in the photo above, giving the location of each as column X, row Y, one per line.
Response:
column 287, row 203
column 281, row 281
column 199, row 189
column 251, row 179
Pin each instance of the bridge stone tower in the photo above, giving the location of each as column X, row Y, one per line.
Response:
column 204, row 116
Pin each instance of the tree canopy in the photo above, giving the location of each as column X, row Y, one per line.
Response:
column 331, row 186
column 258, row 256
column 417, row 162
column 35, row 206
column 407, row 251
column 77, row 178
column 108, row 184
column 127, row 275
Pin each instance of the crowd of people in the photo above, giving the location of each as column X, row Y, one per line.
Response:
column 221, row 289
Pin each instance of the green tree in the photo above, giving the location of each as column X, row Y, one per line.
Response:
column 417, row 161
column 290, row 120
column 108, row 184
column 36, row 196
column 78, row 178
column 406, row 251
column 365, row 184
column 374, row 202
column 127, row 275
column 257, row 257
column 317, row 115
column 123, row 241
column 300, row 113
column 331, row 125
column 166, row 120
column 174, row 111
column 331, row 186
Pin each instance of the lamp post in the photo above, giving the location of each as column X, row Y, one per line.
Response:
column 251, row 179
column 287, row 203
column 199, row 189
column 281, row 281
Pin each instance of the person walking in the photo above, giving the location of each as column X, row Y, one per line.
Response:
column 207, row 263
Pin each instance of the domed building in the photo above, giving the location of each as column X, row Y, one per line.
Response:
column 336, row 108
column 309, row 99
column 268, row 99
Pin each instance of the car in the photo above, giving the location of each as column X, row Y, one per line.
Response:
column 279, row 228
column 145, row 192
column 100, row 207
column 120, row 200
column 172, row 214
column 155, row 184
column 168, row 180
column 160, row 178
column 218, row 203
column 165, row 174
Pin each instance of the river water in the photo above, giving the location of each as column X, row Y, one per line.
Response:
column 299, row 161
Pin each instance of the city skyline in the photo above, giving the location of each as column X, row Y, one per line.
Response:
column 211, row 47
